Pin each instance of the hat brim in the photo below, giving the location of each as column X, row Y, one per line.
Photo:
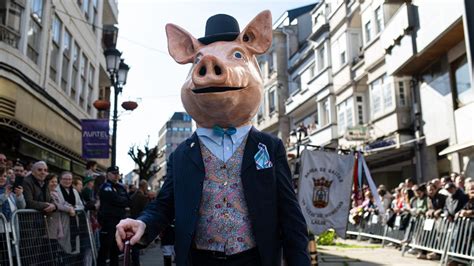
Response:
column 226, row 37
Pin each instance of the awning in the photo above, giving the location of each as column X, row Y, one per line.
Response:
column 456, row 147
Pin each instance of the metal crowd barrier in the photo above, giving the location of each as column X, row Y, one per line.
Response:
column 36, row 239
column 430, row 234
column 461, row 246
column 452, row 240
column 5, row 247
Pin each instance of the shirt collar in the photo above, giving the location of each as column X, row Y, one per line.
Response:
column 209, row 134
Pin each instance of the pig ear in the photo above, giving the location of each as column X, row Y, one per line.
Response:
column 257, row 36
column 182, row 46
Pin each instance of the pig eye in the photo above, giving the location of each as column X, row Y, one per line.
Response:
column 238, row 55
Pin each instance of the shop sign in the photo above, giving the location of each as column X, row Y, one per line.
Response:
column 95, row 139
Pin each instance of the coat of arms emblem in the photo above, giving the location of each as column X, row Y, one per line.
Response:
column 321, row 192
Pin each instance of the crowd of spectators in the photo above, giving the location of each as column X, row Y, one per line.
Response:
column 449, row 197
column 60, row 196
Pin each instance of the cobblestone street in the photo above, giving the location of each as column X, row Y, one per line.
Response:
column 360, row 253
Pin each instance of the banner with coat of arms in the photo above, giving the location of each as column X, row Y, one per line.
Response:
column 324, row 190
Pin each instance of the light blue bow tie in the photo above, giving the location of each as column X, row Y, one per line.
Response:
column 219, row 131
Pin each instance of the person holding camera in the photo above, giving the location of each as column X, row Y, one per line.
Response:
column 11, row 199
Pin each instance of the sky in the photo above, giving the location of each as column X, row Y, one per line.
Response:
column 155, row 79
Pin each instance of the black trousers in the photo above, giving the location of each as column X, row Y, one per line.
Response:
column 108, row 246
column 206, row 258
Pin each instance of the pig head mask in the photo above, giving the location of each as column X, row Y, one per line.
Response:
column 224, row 86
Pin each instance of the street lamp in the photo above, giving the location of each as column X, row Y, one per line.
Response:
column 299, row 133
column 118, row 72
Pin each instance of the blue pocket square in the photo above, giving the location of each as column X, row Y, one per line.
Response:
column 262, row 158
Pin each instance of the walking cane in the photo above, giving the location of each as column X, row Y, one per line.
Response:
column 126, row 252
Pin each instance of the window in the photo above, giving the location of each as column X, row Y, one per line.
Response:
column 83, row 85
column 34, row 31
column 381, row 95
column 360, row 110
column 320, row 56
column 461, row 82
column 387, row 94
column 342, row 49
column 75, row 70
column 344, row 116
column 37, row 10
column 295, row 85
column 368, row 31
column 271, row 101
column 401, row 94
column 271, row 62
column 10, row 18
column 309, row 122
column 260, row 111
column 91, row 88
column 94, row 14
column 66, row 59
column 312, row 71
column 379, row 19
column 53, row 64
column 85, row 8
column 325, row 112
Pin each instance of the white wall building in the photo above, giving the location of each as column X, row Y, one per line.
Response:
column 52, row 69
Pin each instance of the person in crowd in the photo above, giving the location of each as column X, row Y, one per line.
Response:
column 419, row 204
column 91, row 169
column 19, row 169
column 3, row 160
column 36, row 191
column 151, row 195
column 418, row 207
column 87, row 193
column 10, row 176
column 398, row 202
column 113, row 201
column 88, row 188
column 77, row 185
column 131, row 190
column 443, row 182
column 385, row 196
column 67, row 192
column 138, row 202
column 459, row 182
column 437, row 183
column 58, row 222
column 409, row 183
column 11, row 199
column 468, row 210
column 455, row 201
column 437, row 201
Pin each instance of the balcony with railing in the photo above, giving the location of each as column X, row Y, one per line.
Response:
column 338, row 14
column 315, row 85
column 110, row 12
column 396, row 38
column 9, row 36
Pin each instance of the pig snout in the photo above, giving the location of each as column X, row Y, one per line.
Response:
column 209, row 71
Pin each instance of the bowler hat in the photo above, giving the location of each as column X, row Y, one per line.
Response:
column 220, row 27
column 113, row 169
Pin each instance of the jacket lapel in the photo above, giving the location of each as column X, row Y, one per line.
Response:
column 193, row 151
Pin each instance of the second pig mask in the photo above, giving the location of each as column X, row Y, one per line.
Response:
column 224, row 86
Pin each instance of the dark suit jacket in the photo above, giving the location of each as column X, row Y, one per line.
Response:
column 276, row 217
